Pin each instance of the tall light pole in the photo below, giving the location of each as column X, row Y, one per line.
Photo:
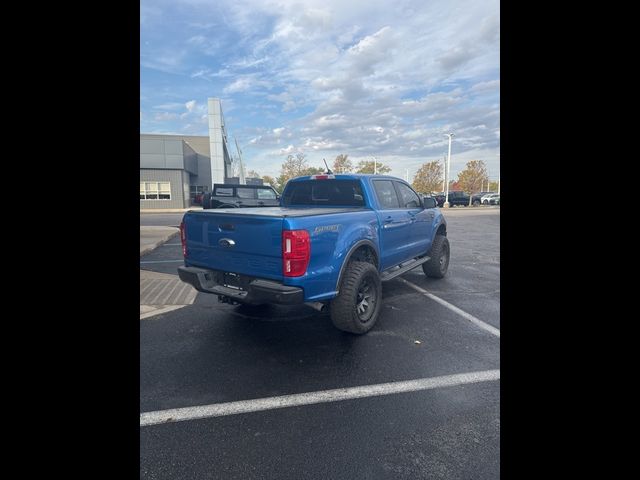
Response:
column 448, row 171
column 498, row 177
column 375, row 165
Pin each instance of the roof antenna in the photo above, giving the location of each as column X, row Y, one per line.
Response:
column 329, row 172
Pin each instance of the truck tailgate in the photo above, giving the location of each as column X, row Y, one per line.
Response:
column 233, row 242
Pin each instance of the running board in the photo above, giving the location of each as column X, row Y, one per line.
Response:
column 403, row 268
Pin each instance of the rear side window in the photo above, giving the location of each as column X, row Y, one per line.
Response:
column 327, row 193
column 408, row 197
column 386, row 194
column 266, row 194
column 246, row 192
column 224, row 192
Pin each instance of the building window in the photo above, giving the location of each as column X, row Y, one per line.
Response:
column 155, row 191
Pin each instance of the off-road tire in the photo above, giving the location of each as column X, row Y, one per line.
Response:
column 438, row 265
column 344, row 308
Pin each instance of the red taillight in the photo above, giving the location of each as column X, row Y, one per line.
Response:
column 296, row 251
column 183, row 238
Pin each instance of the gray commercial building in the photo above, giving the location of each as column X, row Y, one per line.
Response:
column 174, row 169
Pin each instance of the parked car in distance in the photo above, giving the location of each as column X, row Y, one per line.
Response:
column 439, row 199
column 477, row 198
column 495, row 200
column 455, row 198
column 458, row 197
column 226, row 195
column 485, row 200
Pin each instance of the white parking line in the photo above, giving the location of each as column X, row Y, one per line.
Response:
column 310, row 398
column 163, row 261
column 160, row 310
column 485, row 326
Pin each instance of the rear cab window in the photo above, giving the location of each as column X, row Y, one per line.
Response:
column 326, row 193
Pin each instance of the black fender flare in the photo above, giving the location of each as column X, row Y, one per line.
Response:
column 352, row 250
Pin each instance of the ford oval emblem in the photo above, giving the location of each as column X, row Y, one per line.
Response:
column 226, row 242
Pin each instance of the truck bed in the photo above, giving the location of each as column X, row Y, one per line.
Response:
column 279, row 212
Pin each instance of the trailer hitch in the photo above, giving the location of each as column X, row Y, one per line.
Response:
column 229, row 300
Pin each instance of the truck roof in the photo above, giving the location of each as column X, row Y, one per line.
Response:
column 348, row 176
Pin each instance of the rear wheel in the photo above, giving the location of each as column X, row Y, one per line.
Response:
column 476, row 203
column 357, row 307
column 438, row 265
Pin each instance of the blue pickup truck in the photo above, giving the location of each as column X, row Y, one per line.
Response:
column 330, row 244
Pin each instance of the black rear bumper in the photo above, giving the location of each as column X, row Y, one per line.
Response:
column 253, row 290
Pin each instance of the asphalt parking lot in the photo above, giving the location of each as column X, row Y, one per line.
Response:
column 208, row 354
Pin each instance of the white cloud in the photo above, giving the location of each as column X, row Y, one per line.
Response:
column 190, row 105
column 328, row 76
column 288, row 150
column 242, row 84
column 165, row 116
column 169, row 106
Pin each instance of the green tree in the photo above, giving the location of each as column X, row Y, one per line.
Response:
column 281, row 181
column 367, row 166
column 471, row 178
column 267, row 180
column 313, row 171
column 428, row 178
column 342, row 164
column 294, row 166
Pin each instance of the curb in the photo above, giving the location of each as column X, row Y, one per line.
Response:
column 153, row 246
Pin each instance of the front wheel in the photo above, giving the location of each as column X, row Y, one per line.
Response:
column 357, row 307
column 476, row 203
column 438, row 265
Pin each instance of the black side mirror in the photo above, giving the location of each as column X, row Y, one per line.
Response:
column 429, row 202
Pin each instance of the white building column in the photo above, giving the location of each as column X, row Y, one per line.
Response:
column 216, row 140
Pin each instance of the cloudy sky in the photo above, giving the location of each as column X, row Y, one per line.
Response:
column 324, row 77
